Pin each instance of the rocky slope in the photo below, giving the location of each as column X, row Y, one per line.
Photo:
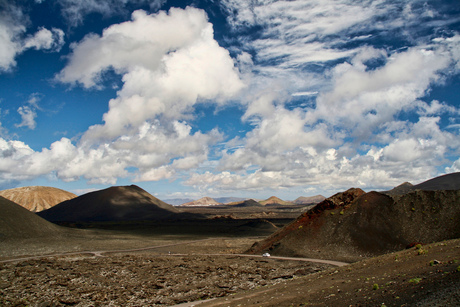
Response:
column 37, row 198
column 426, row 277
column 17, row 222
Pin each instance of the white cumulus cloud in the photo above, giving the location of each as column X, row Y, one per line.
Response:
column 351, row 135
column 169, row 62
column 166, row 70
column 13, row 26
column 52, row 40
column 28, row 116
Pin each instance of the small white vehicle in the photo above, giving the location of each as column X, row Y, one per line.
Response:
column 266, row 255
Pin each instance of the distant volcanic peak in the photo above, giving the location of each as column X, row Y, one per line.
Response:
column 246, row 203
column 37, row 198
column 400, row 189
column 273, row 200
column 251, row 202
column 405, row 185
column 205, row 201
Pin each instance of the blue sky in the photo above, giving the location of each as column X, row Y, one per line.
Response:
column 228, row 98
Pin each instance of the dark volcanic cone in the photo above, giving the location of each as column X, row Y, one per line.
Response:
column 17, row 222
column 246, row 203
column 123, row 203
column 37, row 198
column 445, row 182
column 348, row 225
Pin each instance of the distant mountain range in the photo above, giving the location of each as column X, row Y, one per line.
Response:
column 234, row 201
column 202, row 202
column 220, row 200
column 177, row 201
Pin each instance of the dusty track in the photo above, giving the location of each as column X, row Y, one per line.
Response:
column 100, row 253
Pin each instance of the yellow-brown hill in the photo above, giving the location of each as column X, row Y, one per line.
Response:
column 37, row 198
column 275, row 201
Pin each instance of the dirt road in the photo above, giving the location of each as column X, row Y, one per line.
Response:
column 100, row 253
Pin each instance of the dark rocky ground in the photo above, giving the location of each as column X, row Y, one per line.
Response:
column 139, row 280
column 427, row 276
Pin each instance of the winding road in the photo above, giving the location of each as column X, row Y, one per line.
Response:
column 101, row 252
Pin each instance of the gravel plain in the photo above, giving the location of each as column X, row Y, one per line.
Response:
column 139, row 279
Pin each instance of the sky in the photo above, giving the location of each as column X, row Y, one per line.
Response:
column 240, row 98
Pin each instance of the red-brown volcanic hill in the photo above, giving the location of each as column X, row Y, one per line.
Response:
column 348, row 225
column 37, row 198
column 307, row 229
column 122, row 203
column 17, row 222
